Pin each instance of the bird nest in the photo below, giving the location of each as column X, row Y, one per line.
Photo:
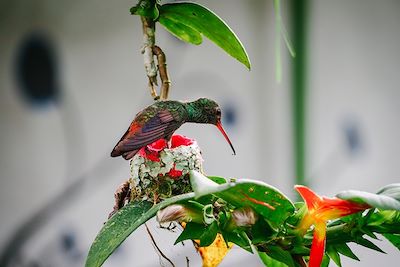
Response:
column 160, row 170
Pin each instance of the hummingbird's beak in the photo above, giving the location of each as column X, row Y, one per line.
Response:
column 219, row 126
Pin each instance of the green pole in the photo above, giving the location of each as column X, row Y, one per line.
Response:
column 299, row 90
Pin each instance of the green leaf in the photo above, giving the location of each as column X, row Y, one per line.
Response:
column 281, row 255
column 374, row 200
column 194, row 231
column 217, row 179
column 237, row 239
column 368, row 233
column 301, row 249
column 265, row 199
column 182, row 31
column 334, row 255
column 325, row 261
column 394, row 239
column 184, row 18
column 270, row 262
column 261, row 232
column 345, row 250
column 366, row 243
column 384, row 217
column 122, row 224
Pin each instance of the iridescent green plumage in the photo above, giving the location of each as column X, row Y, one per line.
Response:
column 162, row 119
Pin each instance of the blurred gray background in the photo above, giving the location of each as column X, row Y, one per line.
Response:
column 57, row 179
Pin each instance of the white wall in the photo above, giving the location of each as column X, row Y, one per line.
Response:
column 353, row 67
column 354, row 82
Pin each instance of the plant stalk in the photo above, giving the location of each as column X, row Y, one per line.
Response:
column 148, row 56
column 162, row 68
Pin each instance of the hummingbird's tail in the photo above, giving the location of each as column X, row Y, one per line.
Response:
column 126, row 155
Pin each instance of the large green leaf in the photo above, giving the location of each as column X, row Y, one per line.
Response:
column 334, row 255
column 182, row 31
column 394, row 239
column 279, row 254
column 345, row 250
column 269, row 261
column 379, row 201
column 205, row 233
column 239, row 239
column 265, row 199
column 188, row 20
column 122, row 224
column 368, row 244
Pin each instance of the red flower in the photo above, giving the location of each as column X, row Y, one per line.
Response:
column 180, row 140
column 152, row 151
column 174, row 173
column 320, row 210
column 157, row 146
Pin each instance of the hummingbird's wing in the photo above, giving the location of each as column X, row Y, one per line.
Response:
column 162, row 125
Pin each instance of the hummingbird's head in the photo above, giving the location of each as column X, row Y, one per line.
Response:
column 210, row 112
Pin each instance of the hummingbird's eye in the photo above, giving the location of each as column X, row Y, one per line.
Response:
column 218, row 112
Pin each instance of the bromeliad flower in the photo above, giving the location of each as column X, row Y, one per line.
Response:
column 319, row 211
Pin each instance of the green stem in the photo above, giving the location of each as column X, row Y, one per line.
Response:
column 299, row 23
column 278, row 53
column 148, row 56
column 338, row 233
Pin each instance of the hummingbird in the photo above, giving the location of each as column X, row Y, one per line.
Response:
column 162, row 119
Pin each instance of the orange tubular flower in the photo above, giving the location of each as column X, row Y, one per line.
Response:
column 320, row 210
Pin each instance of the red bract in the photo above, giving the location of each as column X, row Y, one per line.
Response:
column 157, row 146
column 180, row 140
column 319, row 211
column 152, row 151
column 174, row 173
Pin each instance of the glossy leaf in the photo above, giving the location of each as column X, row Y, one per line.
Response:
column 325, row 261
column 182, row 31
column 345, row 250
column 334, row 255
column 183, row 19
column 269, row 261
column 261, row 232
column 237, row 239
column 394, row 239
column 265, row 199
column 374, row 200
column 385, row 217
column 122, row 224
column 217, row 179
column 281, row 255
column 194, row 231
column 368, row 244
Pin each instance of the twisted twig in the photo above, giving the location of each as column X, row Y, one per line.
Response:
column 150, row 50
column 148, row 57
column 162, row 68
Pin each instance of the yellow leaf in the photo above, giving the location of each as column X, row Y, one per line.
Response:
column 214, row 253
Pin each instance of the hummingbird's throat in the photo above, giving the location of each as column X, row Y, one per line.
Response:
column 219, row 126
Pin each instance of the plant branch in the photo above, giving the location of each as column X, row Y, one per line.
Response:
column 148, row 57
column 162, row 68
column 156, row 246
